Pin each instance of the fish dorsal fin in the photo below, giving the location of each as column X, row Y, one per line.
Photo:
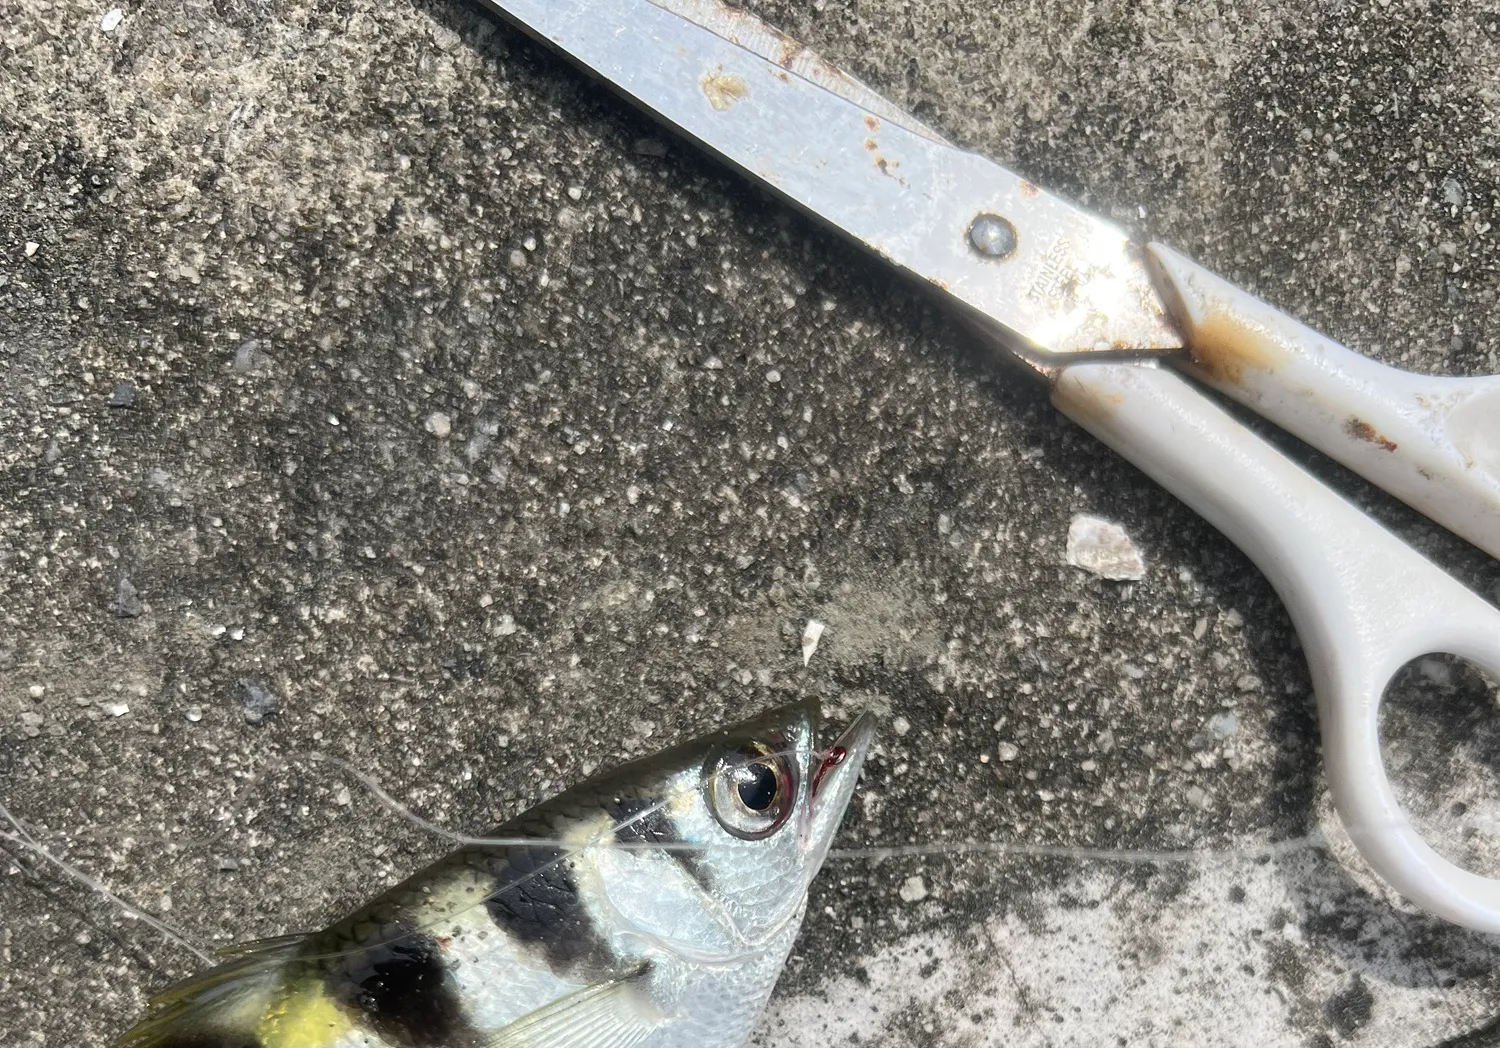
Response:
column 611, row 1014
column 226, row 1001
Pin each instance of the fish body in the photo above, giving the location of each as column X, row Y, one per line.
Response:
column 651, row 907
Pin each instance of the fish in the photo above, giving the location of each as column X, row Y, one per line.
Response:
column 653, row 906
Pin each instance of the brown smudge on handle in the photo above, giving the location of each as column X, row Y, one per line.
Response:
column 872, row 122
column 1225, row 349
column 1359, row 429
column 1029, row 189
column 723, row 89
column 1080, row 402
column 871, row 144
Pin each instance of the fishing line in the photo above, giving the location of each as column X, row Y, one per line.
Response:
column 1271, row 849
column 24, row 840
column 1314, row 840
column 1268, row 850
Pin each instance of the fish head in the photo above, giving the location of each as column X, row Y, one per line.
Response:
column 748, row 814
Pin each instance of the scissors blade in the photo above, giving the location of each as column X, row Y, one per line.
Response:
column 743, row 29
column 1056, row 277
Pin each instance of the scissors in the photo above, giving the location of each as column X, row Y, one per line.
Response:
column 1125, row 335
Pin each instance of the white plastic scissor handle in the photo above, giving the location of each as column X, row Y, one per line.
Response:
column 1363, row 602
column 1432, row 442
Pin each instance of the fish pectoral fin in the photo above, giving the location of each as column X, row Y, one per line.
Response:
column 612, row 1014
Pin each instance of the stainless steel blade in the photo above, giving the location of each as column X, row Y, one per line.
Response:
column 743, row 29
column 1057, row 277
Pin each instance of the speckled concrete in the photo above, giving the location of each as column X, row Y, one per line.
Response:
column 493, row 436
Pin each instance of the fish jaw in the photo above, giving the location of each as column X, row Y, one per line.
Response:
column 832, row 777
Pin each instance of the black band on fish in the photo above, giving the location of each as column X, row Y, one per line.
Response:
column 639, row 821
column 536, row 901
column 401, row 987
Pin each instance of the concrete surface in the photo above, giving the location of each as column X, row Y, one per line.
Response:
column 361, row 353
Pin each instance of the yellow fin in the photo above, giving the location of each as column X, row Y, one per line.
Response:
column 223, row 1004
column 302, row 1017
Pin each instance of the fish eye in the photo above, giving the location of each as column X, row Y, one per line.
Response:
column 757, row 786
column 751, row 791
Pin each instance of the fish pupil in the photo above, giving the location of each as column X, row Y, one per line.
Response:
column 757, row 787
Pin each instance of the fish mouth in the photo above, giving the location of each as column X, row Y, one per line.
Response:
column 834, row 775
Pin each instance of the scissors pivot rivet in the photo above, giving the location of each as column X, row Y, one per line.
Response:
column 992, row 236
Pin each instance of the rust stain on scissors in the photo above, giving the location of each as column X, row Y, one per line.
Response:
column 1359, row 429
column 1225, row 349
column 886, row 166
column 723, row 89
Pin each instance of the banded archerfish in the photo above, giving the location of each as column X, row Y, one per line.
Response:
column 651, row 907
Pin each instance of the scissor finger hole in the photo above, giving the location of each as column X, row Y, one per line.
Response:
column 1440, row 737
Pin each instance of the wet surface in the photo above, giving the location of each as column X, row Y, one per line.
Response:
column 481, row 434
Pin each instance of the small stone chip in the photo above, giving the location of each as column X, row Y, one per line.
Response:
column 123, row 395
column 111, row 21
column 1103, row 549
column 245, row 356
column 127, row 601
column 439, row 425
column 1223, row 725
column 913, row 889
column 1007, row 752
column 259, row 701
column 443, row 38
column 811, row 634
